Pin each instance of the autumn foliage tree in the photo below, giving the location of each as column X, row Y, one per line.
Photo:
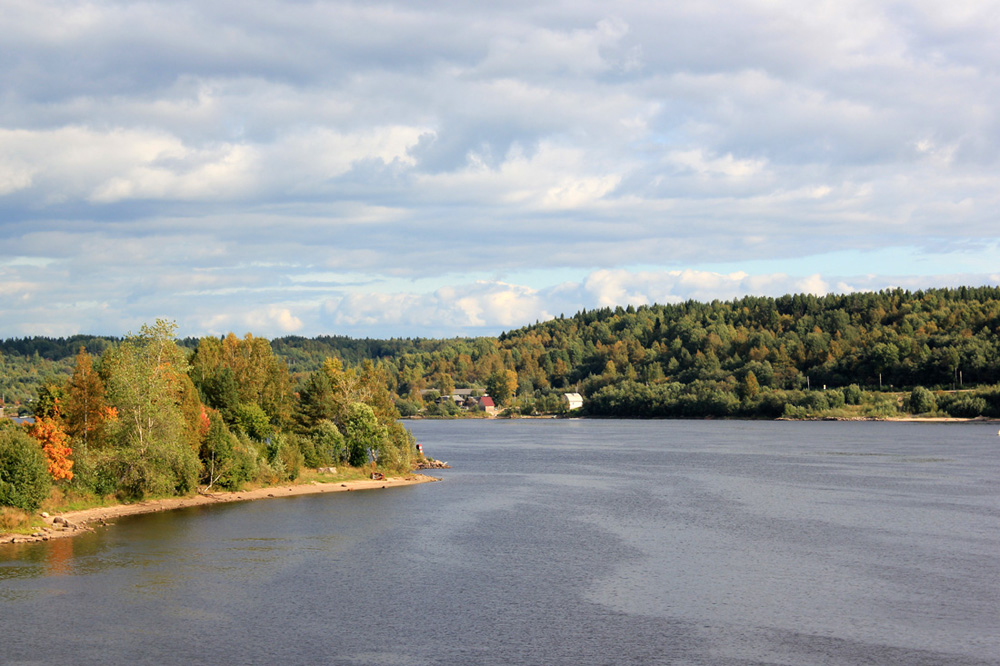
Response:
column 50, row 435
column 85, row 410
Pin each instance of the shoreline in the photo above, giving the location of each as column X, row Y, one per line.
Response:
column 72, row 523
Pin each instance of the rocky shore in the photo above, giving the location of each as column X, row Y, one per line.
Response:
column 430, row 463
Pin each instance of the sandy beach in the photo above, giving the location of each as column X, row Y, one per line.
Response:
column 71, row 523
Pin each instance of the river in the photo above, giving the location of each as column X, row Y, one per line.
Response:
column 558, row 542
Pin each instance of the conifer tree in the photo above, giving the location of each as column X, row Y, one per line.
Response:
column 85, row 409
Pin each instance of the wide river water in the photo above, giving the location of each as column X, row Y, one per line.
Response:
column 558, row 542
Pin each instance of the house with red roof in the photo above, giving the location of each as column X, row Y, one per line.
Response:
column 486, row 402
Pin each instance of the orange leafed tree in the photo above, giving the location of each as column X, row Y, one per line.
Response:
column 84, row 408
column 49, row 433
column 204, row 423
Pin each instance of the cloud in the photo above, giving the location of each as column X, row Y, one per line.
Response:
column 201, row 160
column 622, row 287
column 462, row 307
column 77, row 163
column 551, row 178
column 278, row 320
column 726, row 165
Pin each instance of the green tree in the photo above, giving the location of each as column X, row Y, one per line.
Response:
column 330, row 445
column 445, row 384
column 142, row 375
column 501, row 386
column 233, row 370
column 143, row 378
column 220, row 391
column 365, row 436
column 227, row 461
column 251, row 420
column 24, row 476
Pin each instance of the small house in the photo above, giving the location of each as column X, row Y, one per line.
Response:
column 573, row 400
column 486, row 402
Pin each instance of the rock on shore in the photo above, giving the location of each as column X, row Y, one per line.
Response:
column 430, row 463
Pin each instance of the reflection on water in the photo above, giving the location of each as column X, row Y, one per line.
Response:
column 559, row 542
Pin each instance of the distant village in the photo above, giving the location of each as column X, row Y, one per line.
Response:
column 473, row 400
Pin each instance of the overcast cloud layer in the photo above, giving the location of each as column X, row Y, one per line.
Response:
column 444, row 168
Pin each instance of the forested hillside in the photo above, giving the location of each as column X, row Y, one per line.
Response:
column 923, row 338
column 753, row 356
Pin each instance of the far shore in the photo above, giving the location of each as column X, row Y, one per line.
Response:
column 72, row 523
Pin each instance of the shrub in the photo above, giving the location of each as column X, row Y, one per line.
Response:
column 967, row 407
column 244, row 467
column 853, row 395
column 400, row 451
column 921, row 401
column 226, row 459
column 93, row 473
column 771, row 404
column 407, row 407
column 270, row 473
column 291, row 459
column 24, row 477
column 310, row 458
column 794, row 412
column 157, row 469
column 835, row 398
column 814, row 401
column 879, row 407
column 279, row 459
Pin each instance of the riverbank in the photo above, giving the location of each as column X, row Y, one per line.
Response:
column 72, row 523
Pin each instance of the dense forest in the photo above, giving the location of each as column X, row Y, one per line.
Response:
column 798, row 355
column 151, row 417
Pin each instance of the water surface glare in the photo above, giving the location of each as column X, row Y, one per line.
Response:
column 558, row 542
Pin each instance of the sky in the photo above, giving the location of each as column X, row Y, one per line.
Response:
column 445, row 168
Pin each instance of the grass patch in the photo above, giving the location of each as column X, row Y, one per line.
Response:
column 63, row 500
column 344, row 473
column 15, row 521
